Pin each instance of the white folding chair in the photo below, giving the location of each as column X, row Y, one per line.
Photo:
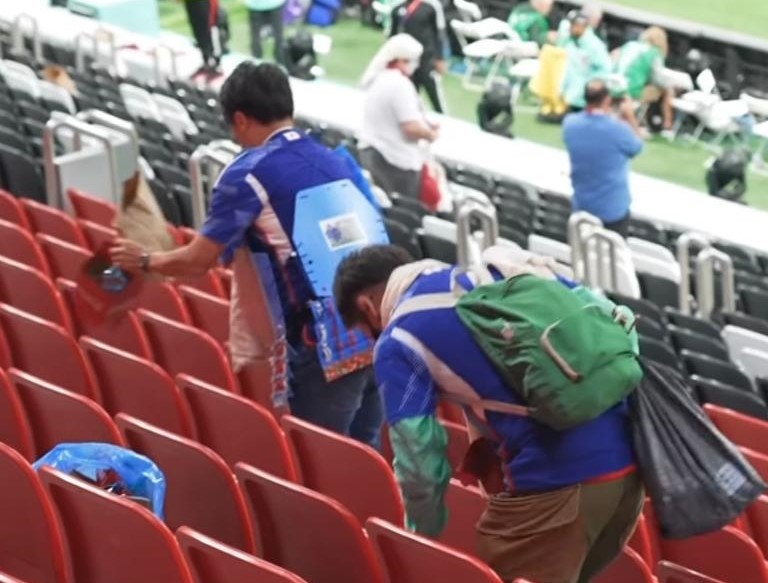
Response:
column 480, row 50
column 174, row 115
column 139, row 102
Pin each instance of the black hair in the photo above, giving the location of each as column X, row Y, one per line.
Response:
column 362, row 270
column 596, row 92
column 259, row 91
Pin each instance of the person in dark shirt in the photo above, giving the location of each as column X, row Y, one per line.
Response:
column 202, row 15
column 424, row 20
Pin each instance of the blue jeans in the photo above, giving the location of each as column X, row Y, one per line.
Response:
column 349, row 405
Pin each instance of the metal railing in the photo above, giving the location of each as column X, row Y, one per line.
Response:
column 96, row 39
column 707, row 262
column 117, row 124
column 684, row 243
column 489, row 224
column 161, row 79
column 602, row 240
column 206, row 162
column 577, row 239
column 17, row 36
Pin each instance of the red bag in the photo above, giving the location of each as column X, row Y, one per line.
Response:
column 430, row 194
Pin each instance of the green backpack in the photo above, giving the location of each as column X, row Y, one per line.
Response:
column 570, row 354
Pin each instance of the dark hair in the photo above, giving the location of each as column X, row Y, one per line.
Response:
column 361, row 270
column 259, row 91
column 596, row 92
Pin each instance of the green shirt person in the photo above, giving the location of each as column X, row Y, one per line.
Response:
column 529, row 20
column 588, row 59
column 641, row 61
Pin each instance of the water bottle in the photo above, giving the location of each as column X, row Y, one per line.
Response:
column 114, row 279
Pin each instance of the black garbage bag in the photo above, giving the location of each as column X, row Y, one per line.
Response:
column 698, row 481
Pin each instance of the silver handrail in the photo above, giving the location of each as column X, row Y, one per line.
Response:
column 159, row 78
column 489, row 223
column 576, row 239
column 706, row 263
column 684, row 243
column 95, row 39
column 203, row 155
column 79, row 128
column 117, row 124
column 602, row 239
column 17, row 36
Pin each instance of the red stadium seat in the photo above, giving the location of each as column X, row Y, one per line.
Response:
column 12, row 211
column 5, row 351
column 237, row 429
column 18, row 244
column 344, row 469
column 162, row 299
column 46, row 351
column 123, row 331
column 214, row 562
column 640, row 542
column 409, row 558
column 209, row 283
column 29, row 290
column 727, row 554
column 130, row 384
column 652, row 529
column 465, row 506
column 209, row 313
column 5, row 578
column 113, row 539
column 629, row 567
column 758, row 461
column 14, row 427
column 66, row 260
column 51, row 221
column 741, row 429
column 225, row 276
column 305, row 532
column 31, row 546
column 58, row 416
column 92, row 209
column 182, row 349
column 202, row 492
column 667, row 572
column 757, row 514
column 97, row 235
column 458, row 443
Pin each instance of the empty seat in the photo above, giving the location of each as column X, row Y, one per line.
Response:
column 651, row 329
column 46, row 351
column 162, row 298
column 660, row 290
column 409, row 558
column 728, row 555
column 437, row 248
column 711, row 368
column 400, row 235
column 209, row 313
column 643, row 308
column 741, row 429
column 738, row 339
column 667, row 572
column 123, row 331
column 735, row 398
column 693, row 324
column 202, row 492
column 407, row 218
column 18, row 244
column 19, row 171
column 306, row 532
column 346, row 470
column 92, row 209
column 110, row 538
column 628, row 567
column 745, row 321
column 28, row 289
column 238, row 429
column 66, row 260
column 209, row 283
column 130, row 384
column 14, row 427
column 465, row 506
column 757, row 460
column 684, row 339
column 755, row 301
column 659, row 352
column 182, row 349
column 214, row 562
column 757, row 514
column 31, row 546
column 12, row 211
column 97, row 235
column 51, row 221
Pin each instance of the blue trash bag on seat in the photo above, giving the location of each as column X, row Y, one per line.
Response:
column 137, row 476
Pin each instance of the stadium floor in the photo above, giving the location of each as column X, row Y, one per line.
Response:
column 354, row 45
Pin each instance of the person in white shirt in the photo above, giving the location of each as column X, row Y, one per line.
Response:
column 395, row 125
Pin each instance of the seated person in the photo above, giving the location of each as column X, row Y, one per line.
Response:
column 641, row 62
column 529, row 20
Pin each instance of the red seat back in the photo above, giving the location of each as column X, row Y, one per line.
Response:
column 162, row 299
column 14, row 427
column 123, row 331
column 629, row 567
column 91, row 208
column 741, row 429
column 344, row 469
column 640, row 542
column 214, row 562
column 757, row 514
column 97, row 236
column 237, row 429
column 727, row 554
column 31, row 546
column 58, row 416
column 51, row 221
column 113, row 539
column 202, row 492
column 670, row 573
column 46, row 351
column 465, row 506
column 182, row 349
column 130, row 384
column 758, row 461
column 209, row 313
column 409, row 558
column 12, row 211
column 305, row 532
column 66, row 260
column 210, row 284
column 30, row 290
column 18, row 244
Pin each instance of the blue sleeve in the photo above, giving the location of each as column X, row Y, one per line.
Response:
column 629, row 143
column 235, row 204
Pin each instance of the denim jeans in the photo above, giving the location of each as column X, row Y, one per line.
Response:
column 349, row 405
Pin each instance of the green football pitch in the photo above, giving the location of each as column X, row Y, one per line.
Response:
column 679, row 162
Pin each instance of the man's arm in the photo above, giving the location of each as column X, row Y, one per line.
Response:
column 188, row 261
column 628, row 130
column 418, row 439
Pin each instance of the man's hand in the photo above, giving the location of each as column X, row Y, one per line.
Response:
column 127, row 255
column 441, row 66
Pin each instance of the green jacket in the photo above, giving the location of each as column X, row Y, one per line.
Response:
column 529, row 23
column 638, row 62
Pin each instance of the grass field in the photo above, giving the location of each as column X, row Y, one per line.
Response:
column 354, row 45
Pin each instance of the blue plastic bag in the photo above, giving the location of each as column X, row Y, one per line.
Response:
column 141, row 476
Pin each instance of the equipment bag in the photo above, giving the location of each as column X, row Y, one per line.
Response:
column 570, row 355
column 698, row 481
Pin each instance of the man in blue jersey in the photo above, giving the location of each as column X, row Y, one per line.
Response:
column 565, row 502
column 283, row 178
